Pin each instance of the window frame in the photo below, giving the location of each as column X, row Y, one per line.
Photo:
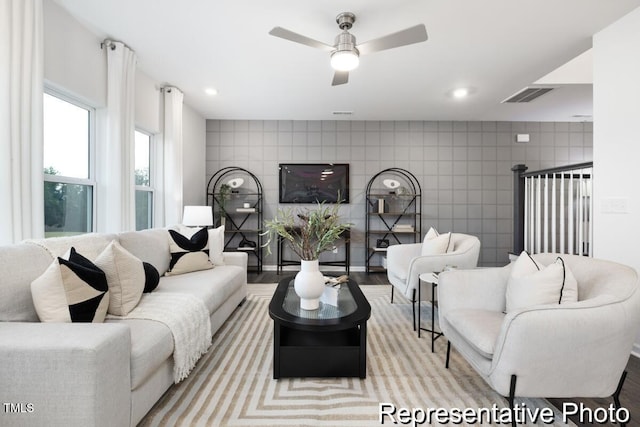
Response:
column 91, row 180
column 151, row 187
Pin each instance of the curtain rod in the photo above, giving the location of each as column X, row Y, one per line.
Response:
column 111, row 43
column 168, row 88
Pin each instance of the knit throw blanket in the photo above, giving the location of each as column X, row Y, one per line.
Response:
column 188, row 319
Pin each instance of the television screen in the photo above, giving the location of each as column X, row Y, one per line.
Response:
column 311, row 183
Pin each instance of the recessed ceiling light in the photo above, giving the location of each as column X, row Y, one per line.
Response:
column 210, row 91
column 460, row 92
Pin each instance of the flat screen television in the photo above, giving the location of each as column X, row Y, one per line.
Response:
column 314, row 182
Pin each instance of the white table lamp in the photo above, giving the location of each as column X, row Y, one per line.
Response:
column 200, row 216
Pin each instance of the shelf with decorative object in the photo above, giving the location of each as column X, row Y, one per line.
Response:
column 236, row 196
column 393, row 214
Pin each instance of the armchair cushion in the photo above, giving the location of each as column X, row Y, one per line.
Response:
column 531, row 283
column 435, row 243
column 480, row 327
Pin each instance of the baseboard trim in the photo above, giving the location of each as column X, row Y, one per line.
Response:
column 635, row 351
column 357, row 268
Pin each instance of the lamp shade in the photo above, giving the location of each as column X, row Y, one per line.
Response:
column 197, row 216
column 345, row 60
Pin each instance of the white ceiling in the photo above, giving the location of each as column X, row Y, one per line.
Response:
column 494, row 47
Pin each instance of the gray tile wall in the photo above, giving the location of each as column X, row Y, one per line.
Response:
column 464, row 167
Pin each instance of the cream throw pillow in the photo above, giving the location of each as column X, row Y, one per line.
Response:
column 125, row 277
column 49, row 299
column 533, row 284
column 216, row 245
column 435, row 243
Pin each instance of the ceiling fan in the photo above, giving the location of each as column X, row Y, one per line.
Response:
column 345, row 53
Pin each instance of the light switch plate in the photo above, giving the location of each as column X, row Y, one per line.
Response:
column 618, row 205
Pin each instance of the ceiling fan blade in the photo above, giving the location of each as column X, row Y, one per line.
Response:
column 411, row 35
column 340, row 78
column 299, row 38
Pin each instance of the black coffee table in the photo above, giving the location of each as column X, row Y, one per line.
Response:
column 328, row 342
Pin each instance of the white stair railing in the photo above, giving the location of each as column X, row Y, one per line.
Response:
column 553, row 210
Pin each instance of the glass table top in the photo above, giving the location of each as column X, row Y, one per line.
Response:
column 346, row 304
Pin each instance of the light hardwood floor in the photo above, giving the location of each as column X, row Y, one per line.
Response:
column 629, row 398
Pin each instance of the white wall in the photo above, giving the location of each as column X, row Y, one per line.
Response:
column 148, row 103
column 74, row 63
column 616, row 145
column 73, row 60
column 194, row 136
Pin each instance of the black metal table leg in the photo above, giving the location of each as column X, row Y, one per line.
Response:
column 434, row 334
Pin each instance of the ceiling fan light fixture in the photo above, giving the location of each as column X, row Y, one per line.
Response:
column 345, row 60
column 461, row 92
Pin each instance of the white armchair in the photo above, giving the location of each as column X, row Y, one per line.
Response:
column 577, row 349
column 405, row 263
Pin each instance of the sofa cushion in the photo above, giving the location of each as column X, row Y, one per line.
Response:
column 71, row 290
column 213, row 287
column 531, row 283
column 151, row 345
column 189, row 249
column 90, row 245
column 479, row 327
column 20, row 265
column 150, row 246
column 125, row 277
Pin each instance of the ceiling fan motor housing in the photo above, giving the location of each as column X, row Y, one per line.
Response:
column 346, row 41
column 345, row 20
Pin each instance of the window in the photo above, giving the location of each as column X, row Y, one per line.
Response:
column 69, row 186
column 144, row 189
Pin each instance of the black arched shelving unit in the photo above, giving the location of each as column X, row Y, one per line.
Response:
column 394, row 214
column 236, row 197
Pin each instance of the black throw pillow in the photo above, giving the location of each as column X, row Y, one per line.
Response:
column 151, row 277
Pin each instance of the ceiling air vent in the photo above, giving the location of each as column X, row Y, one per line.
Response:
column 342, row 113
column 528, row 94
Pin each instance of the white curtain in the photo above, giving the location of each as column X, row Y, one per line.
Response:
column 21, row 150
column 172, row 190
column 116, row 147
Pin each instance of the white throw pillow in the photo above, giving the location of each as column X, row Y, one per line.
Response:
column 216, row 245
column 125, row 277
column 533, row 284
column 435, row 243
column 49, row 299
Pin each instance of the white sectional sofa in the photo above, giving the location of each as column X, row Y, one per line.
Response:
column 96, row 374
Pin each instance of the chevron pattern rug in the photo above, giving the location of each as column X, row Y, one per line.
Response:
column 232, row 384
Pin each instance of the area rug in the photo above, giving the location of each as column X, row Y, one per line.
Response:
column 233, row 385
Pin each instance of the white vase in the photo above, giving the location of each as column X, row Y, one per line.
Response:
column 309, row 284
